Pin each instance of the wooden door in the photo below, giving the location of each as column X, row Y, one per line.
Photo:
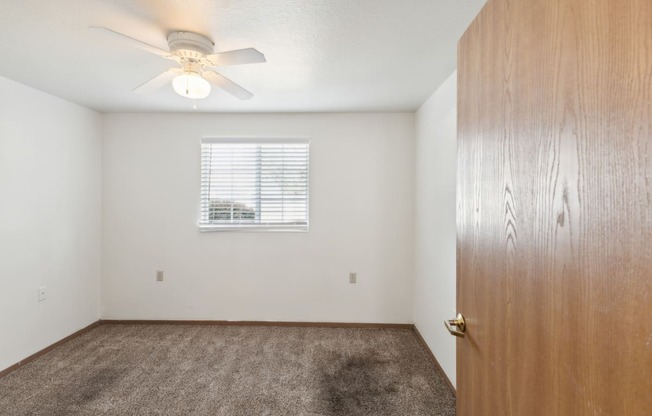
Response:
column 555, row 209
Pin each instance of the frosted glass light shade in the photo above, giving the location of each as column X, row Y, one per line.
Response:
column 191, row 85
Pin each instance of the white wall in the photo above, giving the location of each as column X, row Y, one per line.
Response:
column 49, row 219
column 435, row 235
column 361, row 220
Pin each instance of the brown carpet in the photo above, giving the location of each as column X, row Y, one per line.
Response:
column 230, row 370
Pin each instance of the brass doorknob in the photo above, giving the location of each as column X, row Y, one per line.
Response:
column 457, row 322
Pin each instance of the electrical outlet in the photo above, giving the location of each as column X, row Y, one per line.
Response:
column 42, row 293
column 159, row 275
column 353, row 277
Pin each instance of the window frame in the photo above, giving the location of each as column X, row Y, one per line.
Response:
column 256, row 227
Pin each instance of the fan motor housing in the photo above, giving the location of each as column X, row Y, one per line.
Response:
column 189, row 45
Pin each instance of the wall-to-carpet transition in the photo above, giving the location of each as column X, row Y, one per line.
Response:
column 230, row 370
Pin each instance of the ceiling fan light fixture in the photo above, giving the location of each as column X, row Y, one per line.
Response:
column 191, row 85
column 197, row 62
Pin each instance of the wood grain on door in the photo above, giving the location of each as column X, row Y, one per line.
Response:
column 555, row 209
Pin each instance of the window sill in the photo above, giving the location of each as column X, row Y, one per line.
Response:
column 254, row 229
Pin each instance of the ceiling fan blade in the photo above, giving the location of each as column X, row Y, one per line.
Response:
column 133, row 42
column 158, row 81
column 237, row 57
column 227, row 85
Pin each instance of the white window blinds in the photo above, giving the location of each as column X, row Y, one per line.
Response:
column 254, row 185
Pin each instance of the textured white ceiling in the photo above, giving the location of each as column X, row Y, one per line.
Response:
column 322, row 55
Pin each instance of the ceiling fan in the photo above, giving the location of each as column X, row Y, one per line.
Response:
column 197, row 64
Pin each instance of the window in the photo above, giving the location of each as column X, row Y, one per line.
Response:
column 260, row 184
